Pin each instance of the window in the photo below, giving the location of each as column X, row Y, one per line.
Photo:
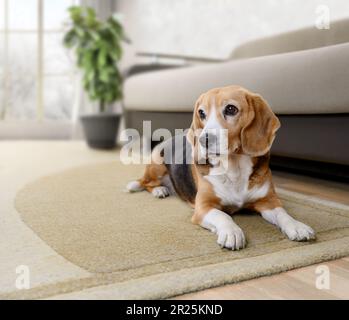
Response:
column 36, row 71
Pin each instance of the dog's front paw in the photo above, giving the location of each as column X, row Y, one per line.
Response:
column 160, row 192
column 231, row 237
column 298, row 231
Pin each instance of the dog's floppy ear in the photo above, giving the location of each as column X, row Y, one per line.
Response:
column 261, row 125
column 194, row 126
column 192, row 137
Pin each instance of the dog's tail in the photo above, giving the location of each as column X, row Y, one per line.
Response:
column 135, row 186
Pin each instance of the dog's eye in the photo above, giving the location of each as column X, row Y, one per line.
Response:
column 202, row 114
column 230, row 110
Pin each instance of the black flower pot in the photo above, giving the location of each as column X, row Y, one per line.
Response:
column 101, row 130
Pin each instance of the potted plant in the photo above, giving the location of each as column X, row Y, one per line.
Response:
column 98, row 49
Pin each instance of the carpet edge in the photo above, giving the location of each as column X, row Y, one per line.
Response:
column 168, row 285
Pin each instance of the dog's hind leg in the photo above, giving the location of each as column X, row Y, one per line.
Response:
column 153, row 179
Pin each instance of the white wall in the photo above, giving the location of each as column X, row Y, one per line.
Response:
column 212, row 28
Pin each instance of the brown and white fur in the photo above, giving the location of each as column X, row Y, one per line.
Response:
column 228, row 182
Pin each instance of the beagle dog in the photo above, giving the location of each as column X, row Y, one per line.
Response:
column 227, row 174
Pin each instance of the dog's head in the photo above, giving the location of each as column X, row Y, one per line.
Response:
column 232, row 120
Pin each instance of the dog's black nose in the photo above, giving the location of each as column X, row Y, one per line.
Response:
column 208, row 139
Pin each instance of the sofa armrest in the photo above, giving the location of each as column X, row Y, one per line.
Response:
column 312, row 81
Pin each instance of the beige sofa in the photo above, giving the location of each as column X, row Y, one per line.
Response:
column 303, row 74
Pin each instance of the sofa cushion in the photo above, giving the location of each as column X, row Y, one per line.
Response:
column 302, row 82
column 301, row 39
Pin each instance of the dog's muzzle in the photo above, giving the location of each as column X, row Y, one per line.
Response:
column 210, row 142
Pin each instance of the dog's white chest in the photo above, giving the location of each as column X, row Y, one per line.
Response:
column 231, row 183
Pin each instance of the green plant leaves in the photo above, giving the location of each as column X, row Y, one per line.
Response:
column 70, row 39
column 102, row 56
column 98, row 48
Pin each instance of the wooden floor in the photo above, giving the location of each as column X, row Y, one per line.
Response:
column 299, row 283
